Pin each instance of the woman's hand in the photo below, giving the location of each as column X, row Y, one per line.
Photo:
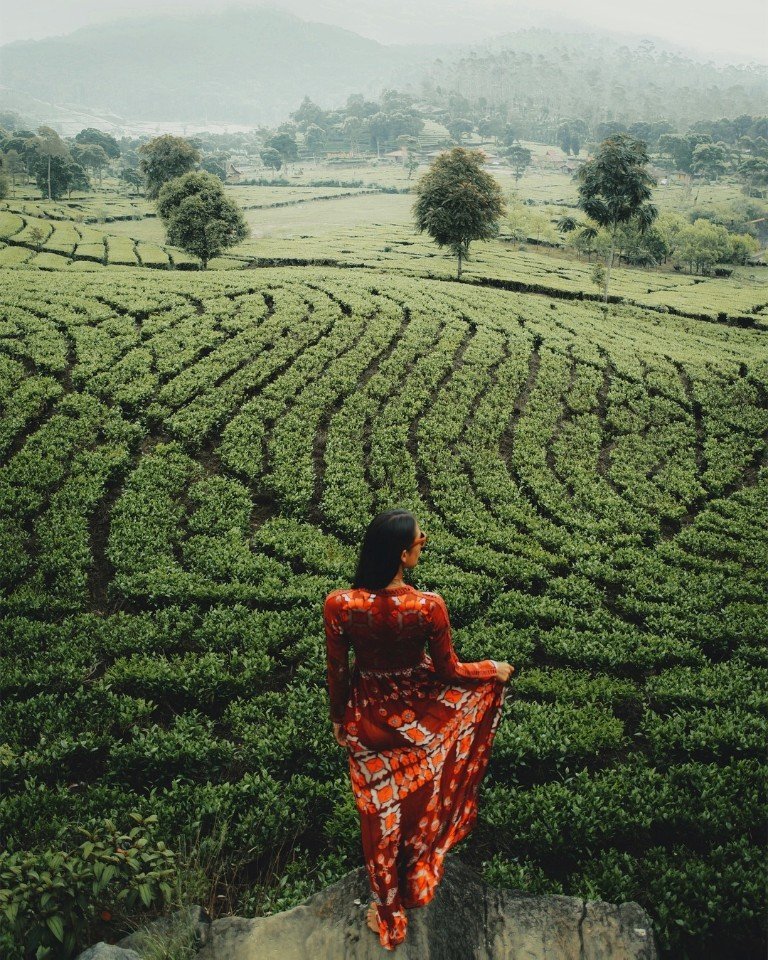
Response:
column 504, row 671
column 338, row 734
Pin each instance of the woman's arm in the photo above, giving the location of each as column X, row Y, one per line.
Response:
column 337, row 655
column 447, row 664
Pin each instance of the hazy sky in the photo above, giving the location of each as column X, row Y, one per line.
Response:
column 738, row 29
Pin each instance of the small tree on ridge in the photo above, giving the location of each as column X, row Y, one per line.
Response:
column 615, row 188
column 198, row 217
column 458, row 202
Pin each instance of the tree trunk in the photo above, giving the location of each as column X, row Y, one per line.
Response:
column 458, row 275
column 49, row 176
column 609, row 264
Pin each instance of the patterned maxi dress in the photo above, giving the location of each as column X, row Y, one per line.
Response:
column 419, row 730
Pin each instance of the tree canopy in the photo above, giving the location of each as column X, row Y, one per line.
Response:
column 285, row 145
column 198, row 217
column 106, row 141
column 165, row 158
column 458, row 202
column 615, row 188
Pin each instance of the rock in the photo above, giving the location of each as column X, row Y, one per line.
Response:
column 466, row 920
column 107, row 951
column 191, row 923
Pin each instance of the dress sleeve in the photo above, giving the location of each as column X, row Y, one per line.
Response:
column 337, row 652
column 447, row 664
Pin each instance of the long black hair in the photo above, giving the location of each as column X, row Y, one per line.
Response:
column 388, row 534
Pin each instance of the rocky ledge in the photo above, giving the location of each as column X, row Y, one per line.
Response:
column 466, row 920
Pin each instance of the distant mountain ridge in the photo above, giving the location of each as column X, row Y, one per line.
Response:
column 253, row 67
column 250, row 67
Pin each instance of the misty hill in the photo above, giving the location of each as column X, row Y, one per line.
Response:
column 249, row 67
column 543, row 73
column 254, row 67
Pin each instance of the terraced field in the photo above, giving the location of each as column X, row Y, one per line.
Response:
column 188, row 462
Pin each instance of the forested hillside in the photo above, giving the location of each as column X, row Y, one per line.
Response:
column 247, row 67
column 538, row 72
column 254, row 66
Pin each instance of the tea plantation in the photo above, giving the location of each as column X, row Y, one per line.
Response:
column 188, row 462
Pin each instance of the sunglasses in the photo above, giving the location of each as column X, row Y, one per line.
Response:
column 419, row 540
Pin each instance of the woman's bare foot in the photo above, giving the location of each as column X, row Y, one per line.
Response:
column 372, row 918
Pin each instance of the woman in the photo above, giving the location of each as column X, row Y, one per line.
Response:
column 418, row 728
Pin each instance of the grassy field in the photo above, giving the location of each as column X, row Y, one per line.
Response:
column 188, row 462
column 353, row 226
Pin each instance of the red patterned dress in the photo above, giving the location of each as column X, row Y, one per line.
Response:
column 419, row 729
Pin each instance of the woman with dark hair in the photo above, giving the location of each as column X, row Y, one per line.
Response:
column 418, row 727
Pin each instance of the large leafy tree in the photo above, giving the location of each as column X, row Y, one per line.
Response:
column 92, row 156
column 615, row 189
column 165, row 158
column 710, row 159
column 458, row 202
column 198, row 217
column 49, row 147
column 57, row 175
column 106, row 141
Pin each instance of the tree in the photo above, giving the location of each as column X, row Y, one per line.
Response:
column 56, row 176
column 743, row 246
column 491, row 128
column 36, row 237
column 710, row 159
column 564, row 138
column 216, row 166
column 703, row 244
column 92, row 156
column 352, row 128
column 314, row 139
column 379, row 128
column 132, row 178
column 754, row 172
column 458, row 127
column 77, row 178
column 680, row 148
column 615, row 188
column 519, row 159
column 14, row 165
column 597, row 275
column 109, row 145
column 165, row 158
column 3, row 179
column 12, row 120
column 271, row 158
column 48, row 146
column 458, row 202
column 198, row 217
column 308, row 113
column 285, row 145
column 509, row 135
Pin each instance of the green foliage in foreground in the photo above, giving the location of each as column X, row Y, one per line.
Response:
column 182, row 483
column 51, row 900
